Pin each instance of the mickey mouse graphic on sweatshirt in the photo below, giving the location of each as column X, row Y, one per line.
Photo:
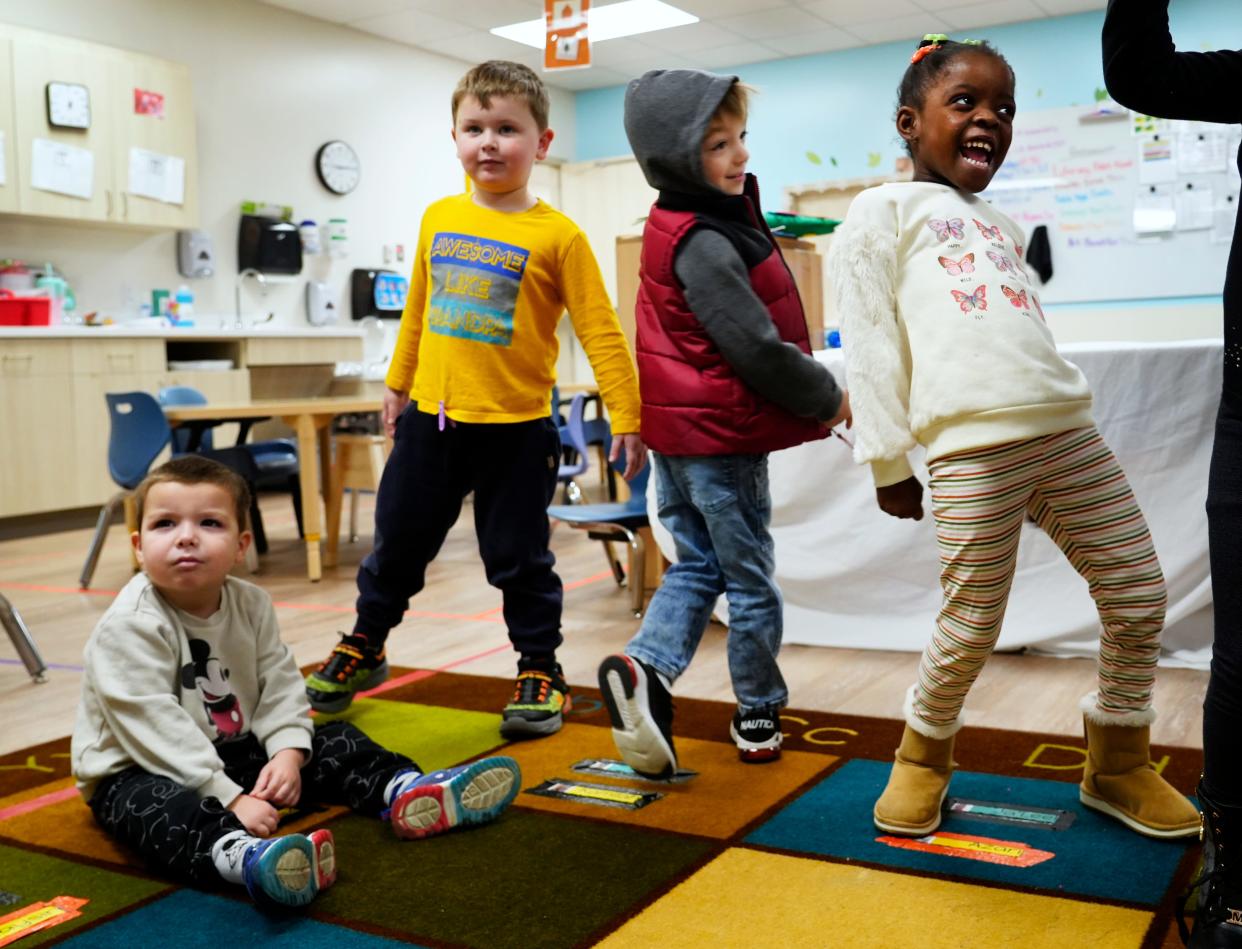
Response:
column 211, row 678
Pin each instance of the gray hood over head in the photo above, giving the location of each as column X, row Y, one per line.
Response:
column 667, row 112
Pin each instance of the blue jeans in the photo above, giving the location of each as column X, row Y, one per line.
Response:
column 717, row 508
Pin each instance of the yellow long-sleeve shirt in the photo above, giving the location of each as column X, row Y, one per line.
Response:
column 479, row 329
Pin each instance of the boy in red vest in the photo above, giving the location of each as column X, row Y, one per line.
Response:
column 726, row 376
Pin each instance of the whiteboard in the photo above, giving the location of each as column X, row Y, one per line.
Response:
column 1084, row 172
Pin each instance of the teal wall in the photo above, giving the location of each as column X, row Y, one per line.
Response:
column 840, row 105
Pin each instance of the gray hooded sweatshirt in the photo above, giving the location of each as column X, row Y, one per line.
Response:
column 667, row 113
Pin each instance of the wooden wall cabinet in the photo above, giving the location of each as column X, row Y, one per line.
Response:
column 805, row 263
column 8, row 186
column 116, row 127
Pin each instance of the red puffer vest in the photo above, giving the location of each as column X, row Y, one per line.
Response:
column 693, row 401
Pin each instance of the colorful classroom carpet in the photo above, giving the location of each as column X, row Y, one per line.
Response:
column 732, row 855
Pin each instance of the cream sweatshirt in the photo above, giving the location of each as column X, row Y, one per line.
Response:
column 945, row 341
column 161, row 687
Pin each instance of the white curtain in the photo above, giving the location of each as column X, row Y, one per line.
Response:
column 852, row 576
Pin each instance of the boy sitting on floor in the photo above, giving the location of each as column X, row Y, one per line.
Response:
column 193, row 727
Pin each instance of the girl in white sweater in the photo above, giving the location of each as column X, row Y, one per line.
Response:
column 946, row 346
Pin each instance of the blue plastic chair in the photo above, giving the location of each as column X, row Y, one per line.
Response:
column 573, row 436
column 596, row 432
column 616, row 521
column 139, row 432
column 276, row 459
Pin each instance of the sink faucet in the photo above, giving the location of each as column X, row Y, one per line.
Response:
column 237, row 285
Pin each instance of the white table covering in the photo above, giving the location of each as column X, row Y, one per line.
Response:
column 854, row 577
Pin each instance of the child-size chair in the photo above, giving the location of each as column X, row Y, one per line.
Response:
column 617, row 521
column 573, row 436
column 23, row 642
column 139, row 433
column 276, row 458
column 357, row 462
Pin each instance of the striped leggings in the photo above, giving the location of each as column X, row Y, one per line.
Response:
column 1072, row 486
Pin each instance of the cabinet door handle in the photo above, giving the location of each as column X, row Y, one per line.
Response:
column 16, row 361
column 121, row 357
column 109, row 194
column 125, row 205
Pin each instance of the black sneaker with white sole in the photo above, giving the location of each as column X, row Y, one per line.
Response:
column 757, row 733
column 641, row 709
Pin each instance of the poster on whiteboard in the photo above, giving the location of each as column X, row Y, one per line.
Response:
column 1127, row 217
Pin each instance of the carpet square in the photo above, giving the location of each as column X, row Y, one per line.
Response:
column 529, row 879
column 725, row 797
column 58, row 819
column 1094, row 857
column 194, row 920
column 746, row 898
column 433, row 736
column 36, row 877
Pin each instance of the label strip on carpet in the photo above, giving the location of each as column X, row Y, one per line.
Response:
column 1007, row 853
column 610, row 768
column 583, row 792
column 1021, row 815
column 38, row 916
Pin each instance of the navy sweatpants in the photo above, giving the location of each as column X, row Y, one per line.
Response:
column 511, row 468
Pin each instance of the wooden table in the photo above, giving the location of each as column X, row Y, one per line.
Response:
column 311, row 419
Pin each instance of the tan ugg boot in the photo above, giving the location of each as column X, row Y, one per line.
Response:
column 910, row 804
column 1119, row 780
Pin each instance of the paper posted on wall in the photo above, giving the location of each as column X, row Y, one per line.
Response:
column 61, row 168
column 156, row 176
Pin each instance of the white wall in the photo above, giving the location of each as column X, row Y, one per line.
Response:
column 270, row 87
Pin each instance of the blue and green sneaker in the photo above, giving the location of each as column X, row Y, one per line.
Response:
column 353, row 667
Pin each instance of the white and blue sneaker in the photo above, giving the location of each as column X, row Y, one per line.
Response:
column 281, row 871
column 474, row 793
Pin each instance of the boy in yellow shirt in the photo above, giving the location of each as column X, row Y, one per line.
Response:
column 467, row 399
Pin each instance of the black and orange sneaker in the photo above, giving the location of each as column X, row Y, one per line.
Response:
column 353, row 667
column 540, row 699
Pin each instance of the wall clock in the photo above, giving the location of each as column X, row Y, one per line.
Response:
column 68, row 105
column 338, row 167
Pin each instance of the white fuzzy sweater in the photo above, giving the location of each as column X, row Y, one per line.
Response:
column 945, row 342
column 160, row 687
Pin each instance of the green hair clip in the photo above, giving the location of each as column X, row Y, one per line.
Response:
column 935, row 38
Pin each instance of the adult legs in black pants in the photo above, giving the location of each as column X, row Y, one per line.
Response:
column 1222, row 706
column 1218, row 923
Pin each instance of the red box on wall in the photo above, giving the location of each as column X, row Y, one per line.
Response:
column 24, row 311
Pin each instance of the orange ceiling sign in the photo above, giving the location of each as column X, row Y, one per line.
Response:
column 567, row 45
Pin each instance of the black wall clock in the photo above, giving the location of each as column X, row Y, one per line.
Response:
column 338, row 167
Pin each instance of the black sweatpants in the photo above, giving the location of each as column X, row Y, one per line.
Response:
column 174, row 829
column 511, row 468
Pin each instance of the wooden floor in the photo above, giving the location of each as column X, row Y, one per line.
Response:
column 455, row 624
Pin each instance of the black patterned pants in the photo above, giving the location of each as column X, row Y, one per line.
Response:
column 173, row 828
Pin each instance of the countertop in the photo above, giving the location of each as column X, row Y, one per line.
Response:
column 202, row 331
